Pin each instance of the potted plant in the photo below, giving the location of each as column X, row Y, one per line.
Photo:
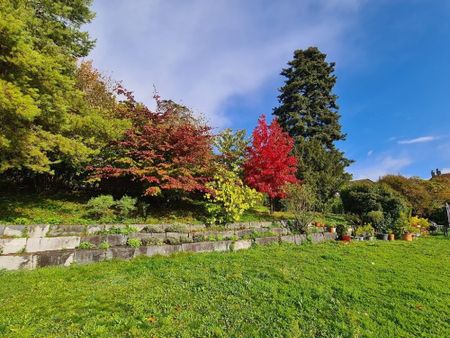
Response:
column 384, row 236
column 342, row 232
column 359, row 233
column 391, row 236
column 331, row 229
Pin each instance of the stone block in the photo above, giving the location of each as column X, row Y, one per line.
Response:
column 206, row 246
column 52, row 243
column 120, row 252
column 66, row 230
column 113, row 240
column 16, row 262
column 329, row 236
column 267, row 240
column 242, row 244
column 89, row 256
column 51, row 258
column 289, row 239
column 2, row 230
column 317, row 237
column 35, row 231
column 15, row 230
column 12, row 245
column 160, row 250
column 94, row 229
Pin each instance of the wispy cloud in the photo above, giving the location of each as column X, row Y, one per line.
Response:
column 380, row 166
column 422, row 139
column 204, row 52
column 445, row 170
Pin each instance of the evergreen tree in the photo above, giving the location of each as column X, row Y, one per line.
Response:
column 309, row 113
column 308, row 108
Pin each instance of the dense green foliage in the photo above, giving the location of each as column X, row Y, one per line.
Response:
column 370, row 289
column 427, row 198
column 362, row 198
column 232, row 148
column 309, row 113
column 45, row 120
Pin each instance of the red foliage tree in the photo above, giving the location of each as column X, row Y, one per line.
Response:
column 270, row 165
column 168, row 149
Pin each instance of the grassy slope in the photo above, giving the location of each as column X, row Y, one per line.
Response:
column 70, row 209
column 373, row 289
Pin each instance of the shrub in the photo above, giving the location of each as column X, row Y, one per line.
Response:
column 365, row 230
column 362, row 198
column 229, row 198
column 104, row 245
column 376, row 217
column 86, row 246
column 177, row 228
column 134, row 242
column 125, row 206
column 300, row 201
column 153, row 228
column 100, row 206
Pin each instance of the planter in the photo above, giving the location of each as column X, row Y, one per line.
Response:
column 407, row 237
column 332, row 230
column 346, row 238
column 359, row 238
column 391, row 237
column 371, row 238
column 384, row 237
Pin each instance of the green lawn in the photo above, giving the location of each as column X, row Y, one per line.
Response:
column 366, row 289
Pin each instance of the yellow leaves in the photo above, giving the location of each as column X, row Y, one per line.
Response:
column 230, row 198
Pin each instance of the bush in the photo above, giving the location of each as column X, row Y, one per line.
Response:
column 86, row 246
column 134, row 242
column 125, row 206
column 229, row 198
column 100, row 206
column 177, row 228
column 104, row 245
column 376, row 218
column 300, row 201
column 365, row 230
column 362, row 198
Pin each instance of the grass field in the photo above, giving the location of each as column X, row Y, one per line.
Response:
column 365, row 289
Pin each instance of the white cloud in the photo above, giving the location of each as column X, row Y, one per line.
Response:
column 422, row 139
column 376, row 168
column 445, row 170
column 204, row 52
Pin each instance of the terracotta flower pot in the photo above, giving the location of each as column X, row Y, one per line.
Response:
column 346, row 238
column 407, row 237
column 391, row 237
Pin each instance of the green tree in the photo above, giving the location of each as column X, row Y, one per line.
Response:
column 323, row 170
column 232, row 148
column 309, row 113
column 229, row 197
column 44, row 118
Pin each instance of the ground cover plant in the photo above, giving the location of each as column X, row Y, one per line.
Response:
column 367, row 289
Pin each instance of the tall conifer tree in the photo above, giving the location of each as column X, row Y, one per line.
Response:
column 309, row 113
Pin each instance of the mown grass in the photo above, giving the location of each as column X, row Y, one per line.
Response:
column 365, row 289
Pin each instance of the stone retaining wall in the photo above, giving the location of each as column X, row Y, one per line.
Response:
column 45, row 230
column 69, row 256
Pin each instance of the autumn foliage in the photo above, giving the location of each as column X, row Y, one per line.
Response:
column 166, row 149
column 270, row 165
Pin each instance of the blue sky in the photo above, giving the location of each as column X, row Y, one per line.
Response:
column 223, row 59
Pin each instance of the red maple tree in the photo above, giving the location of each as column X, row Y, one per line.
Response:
column 166, row 149
column 269, row 164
